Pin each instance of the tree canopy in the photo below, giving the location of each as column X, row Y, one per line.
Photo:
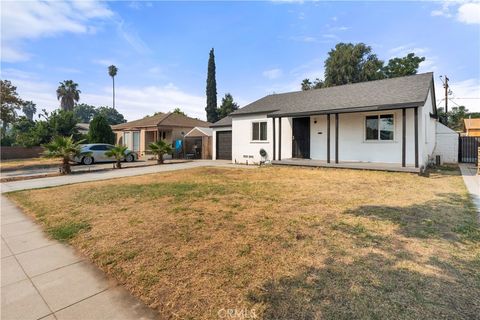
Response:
column 112, row 115
column 29, row 109
column 227, row 106
column 454, row 117
column 179, row 111
column 100, row 131
column 68, row 94
column 84, row 112
column 352, row 63
column 10, row 103
column 211, row 91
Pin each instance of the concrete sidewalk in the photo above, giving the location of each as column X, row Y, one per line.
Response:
column 45, row 279
column 472, row 182
column 110, row 174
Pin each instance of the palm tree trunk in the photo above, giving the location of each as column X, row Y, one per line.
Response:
column 66, row 167
column 160, row 158
column 113, row 80
column 119, row 164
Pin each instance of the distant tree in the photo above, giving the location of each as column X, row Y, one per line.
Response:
column 65, row 148
column 178, row 111
column 63, row 123
column 406, row 66
column 29, row 109
column 68, row 94
column 118, row 152
column 21, row 131
column 308, row 85
column 456, row 115
column 351, row 63
column 10, row 103
column 111, row 114
column 227, row 106
column 160, row 148
column 211, row 91
column 100, row 131
column 112, row 72
column 84, row 112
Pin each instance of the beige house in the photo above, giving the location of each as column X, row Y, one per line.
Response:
column 138, row 134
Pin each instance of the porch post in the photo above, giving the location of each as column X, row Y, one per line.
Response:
column 279, row 138
column 336, row 137
column 404, row 129
column 274, row 155
column 416, row 137
column 328, row 138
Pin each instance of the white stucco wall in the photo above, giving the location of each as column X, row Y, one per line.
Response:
column 352, row 143
column 447, row 144
column 214, row 140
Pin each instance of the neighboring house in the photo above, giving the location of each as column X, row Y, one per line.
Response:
column 222, row 139
column 171, row 127
column 198, row 143
column 83, row 127
column 471, row 127
column 389, row 122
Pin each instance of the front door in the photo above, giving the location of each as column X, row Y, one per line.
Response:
column 301, row 138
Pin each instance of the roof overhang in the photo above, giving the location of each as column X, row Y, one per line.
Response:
column 347, row 110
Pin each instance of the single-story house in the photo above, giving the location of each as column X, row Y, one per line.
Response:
column 471, row 127
column 384, row 124
column 171, row 127
column 198, row 143
column 222, row 139
column 83, row 127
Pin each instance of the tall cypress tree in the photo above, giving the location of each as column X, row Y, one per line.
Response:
column 212, row 115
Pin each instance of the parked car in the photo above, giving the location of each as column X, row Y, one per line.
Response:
column 95, row 152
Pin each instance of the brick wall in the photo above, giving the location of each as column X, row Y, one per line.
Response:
column 20, row 152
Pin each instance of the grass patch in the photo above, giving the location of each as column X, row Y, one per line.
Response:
column 339, row 244
column 67, row 230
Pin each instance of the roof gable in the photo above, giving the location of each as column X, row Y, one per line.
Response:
column 162, row 119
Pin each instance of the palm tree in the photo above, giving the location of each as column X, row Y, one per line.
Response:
column 68, row 94
column 65, row 148
column 160, row 148
column 112, row 72
column 118, row 152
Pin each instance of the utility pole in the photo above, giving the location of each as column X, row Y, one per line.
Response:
column 445, row 85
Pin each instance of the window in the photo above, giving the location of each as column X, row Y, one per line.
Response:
column 379, row 127
column 259, row 131
column 100, row 147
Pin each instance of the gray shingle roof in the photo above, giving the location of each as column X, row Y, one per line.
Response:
column 224, row 122
column 372, row 95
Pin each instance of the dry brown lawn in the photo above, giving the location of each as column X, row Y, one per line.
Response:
column 288, row 243
column 27, row 163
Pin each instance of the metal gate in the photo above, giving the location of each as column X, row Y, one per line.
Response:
column 468, row 149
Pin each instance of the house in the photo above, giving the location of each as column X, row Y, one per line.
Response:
column 222, row 139
column 385, row 124
column 171, row 127
column 471, row 127
column 198, row 143
column 83, row 127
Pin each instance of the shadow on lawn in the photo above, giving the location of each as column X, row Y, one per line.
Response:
column 452, row 217
column 372, row 287
column 391, row 282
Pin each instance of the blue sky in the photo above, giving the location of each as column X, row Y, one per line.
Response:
column 161, row 48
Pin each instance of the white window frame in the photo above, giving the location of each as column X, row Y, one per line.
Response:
column 378, row 140
column 259, row 131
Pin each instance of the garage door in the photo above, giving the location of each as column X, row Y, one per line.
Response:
column 224, row 145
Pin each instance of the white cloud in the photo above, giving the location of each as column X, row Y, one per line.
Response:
column 303, row 39
column 272, row 74
column 23, row 20
column 469, row 13
column 465, row 12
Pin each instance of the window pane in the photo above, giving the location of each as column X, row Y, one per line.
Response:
column 386, row 127
column 263, row 131
column 372, row 128
column 255, row 131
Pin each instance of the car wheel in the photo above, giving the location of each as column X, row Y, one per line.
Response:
column 87, row 160
column 130, row 158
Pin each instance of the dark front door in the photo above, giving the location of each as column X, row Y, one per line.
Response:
column 224, row 145
column 301, row 138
